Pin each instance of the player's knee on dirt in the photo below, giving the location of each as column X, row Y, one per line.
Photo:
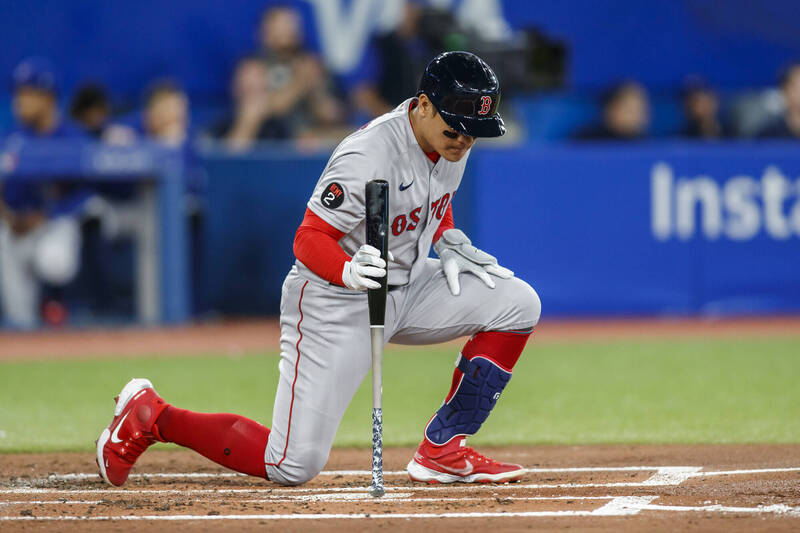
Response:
column 299, row 466
column 477, row 393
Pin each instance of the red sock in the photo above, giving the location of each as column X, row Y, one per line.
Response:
column 231, row 440
column 503, row 348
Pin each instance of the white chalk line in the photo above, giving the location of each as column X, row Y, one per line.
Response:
column 622, row 506
column 326, row 498
column 53, row 502
column 618, row 506
column 333, row 473
column 665, row 476
column 776, row 508
column 746, row 472
column 446, row 488
column 671, row 475
column 403, row 516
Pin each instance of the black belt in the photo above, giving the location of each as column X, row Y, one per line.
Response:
column 389, row 288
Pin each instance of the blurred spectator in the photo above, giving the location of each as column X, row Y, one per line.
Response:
column 35, row 101
column 299, row 88
column 701, row 106
column 39, row 232
column 401, row 57
column 252, row 117
column 166, row 114
column 626, row 115
column 166, row 121
column 91, row 108
column 787, row 126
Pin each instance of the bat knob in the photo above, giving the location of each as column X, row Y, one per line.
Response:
column 377, row 492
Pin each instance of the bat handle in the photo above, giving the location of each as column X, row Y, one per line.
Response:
column 376, row 336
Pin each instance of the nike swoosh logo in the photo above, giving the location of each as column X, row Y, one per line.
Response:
column 403, row 186
column 457, row 471
column 115, row 436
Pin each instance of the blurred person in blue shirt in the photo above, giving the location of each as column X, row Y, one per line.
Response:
column 166, row 121
column 701, row 106
column 39, row 233
column 626, row 115
column 121, row 214
column 165, row 118
column 788, row 125
column 90, row 108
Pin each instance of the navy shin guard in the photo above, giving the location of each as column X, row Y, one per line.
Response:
column 475, row 397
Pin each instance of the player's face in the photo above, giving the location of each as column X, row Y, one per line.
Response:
column 449, row 143
column 30, row 104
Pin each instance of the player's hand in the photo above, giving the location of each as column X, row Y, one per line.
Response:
column 458, row 255
column 366, row 264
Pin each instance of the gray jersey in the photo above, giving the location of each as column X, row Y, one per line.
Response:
column 419, row 190
column 325, row 340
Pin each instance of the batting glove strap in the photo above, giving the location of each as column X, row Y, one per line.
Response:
column 459, row 255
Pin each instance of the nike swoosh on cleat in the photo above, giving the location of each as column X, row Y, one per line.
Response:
column 115, row 436
column 457, row 471
column 403, row 186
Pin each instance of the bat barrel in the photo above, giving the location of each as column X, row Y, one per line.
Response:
column 377, row 221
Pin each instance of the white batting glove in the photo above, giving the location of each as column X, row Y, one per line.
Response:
column 366, row 264
column 458, row 255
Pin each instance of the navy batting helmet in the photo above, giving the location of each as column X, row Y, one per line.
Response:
column 465, row 90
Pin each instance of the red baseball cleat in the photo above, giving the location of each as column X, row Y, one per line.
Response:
column 131, row 431
column 456, row 462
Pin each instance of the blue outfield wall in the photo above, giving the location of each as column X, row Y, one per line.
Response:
column 648, row 229
column 597, row 230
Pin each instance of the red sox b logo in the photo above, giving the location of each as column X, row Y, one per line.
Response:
column 486, row 104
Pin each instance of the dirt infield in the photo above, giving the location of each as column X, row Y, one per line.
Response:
column 234, row 338
column 613, row 488
column 608, row 488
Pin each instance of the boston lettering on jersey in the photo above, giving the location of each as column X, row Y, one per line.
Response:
column 410, row 221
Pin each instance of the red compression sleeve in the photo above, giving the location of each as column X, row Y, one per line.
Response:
column 316, row 245
column 503, row 348
column 446, row 223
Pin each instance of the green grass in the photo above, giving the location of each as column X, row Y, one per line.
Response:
column 685, row 391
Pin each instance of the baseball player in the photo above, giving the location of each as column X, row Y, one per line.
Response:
column 421, row 149
column 40, row 238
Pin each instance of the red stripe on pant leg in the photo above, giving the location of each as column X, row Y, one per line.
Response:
column 296, row 365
